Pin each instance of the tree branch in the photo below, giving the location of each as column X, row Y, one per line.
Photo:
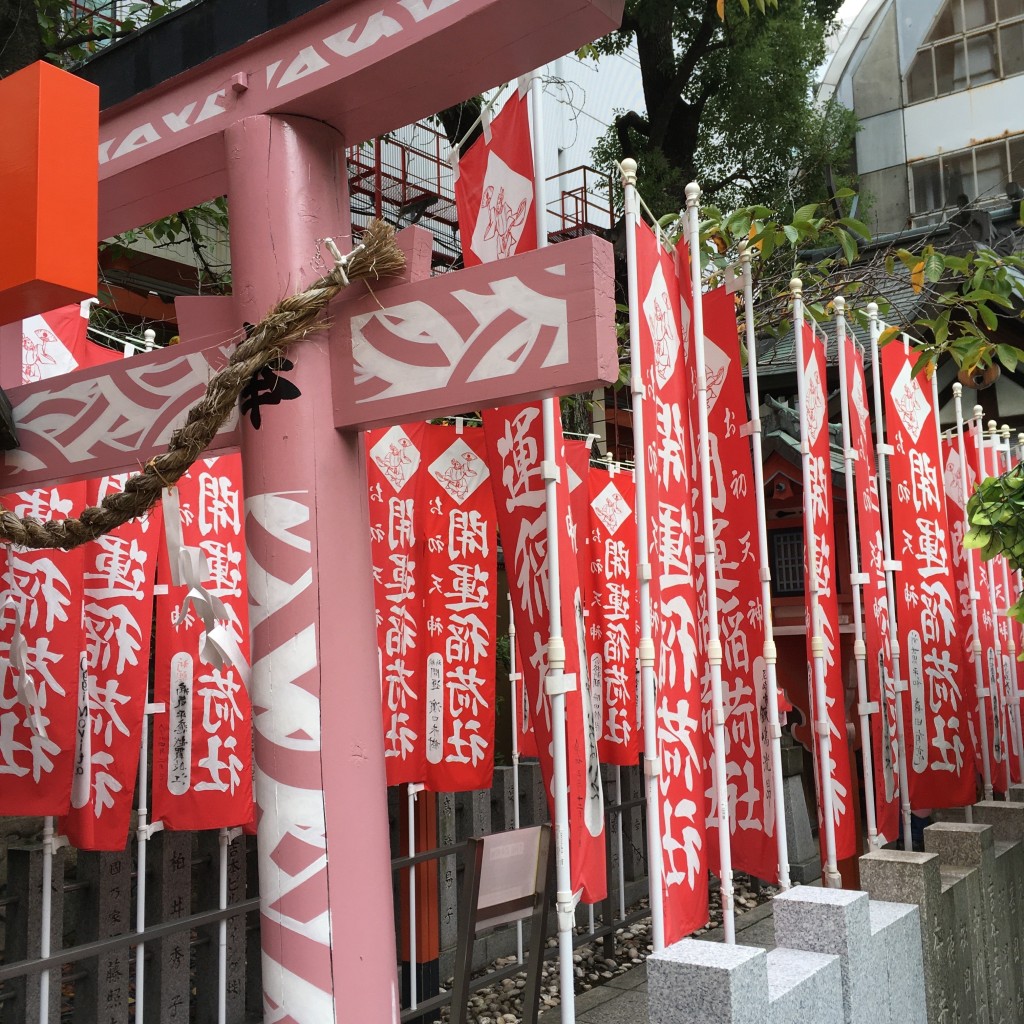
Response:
column 63, row 45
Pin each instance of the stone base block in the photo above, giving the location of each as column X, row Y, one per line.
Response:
column 896, row 928
column 804, row 987
column 695, row 982
column 837, row 921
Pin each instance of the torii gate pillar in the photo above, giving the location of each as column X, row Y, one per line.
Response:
column 327, row 931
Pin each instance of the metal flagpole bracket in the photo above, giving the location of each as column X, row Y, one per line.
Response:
column 860, row 579
column 892, row 565
column 550, row 471
column 557, row 681
column 146, row 832
column 868, row 708
column 652, row 767
column 751, row 427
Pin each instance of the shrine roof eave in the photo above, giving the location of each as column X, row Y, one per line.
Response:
column 363, row 67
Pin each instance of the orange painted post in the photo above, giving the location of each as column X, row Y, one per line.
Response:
column 49, row 188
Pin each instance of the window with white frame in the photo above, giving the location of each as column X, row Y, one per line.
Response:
column 971, row 42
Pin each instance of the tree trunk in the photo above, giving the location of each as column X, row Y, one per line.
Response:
column 21, row 43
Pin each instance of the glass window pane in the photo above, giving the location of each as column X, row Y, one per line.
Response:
column 978, row 13
column 950, row 68
column 927, row 186
column 1011, row 42
column 991, row 172
column 1017, row 159
column 943, row 26
column 920, row 82
column 958, row 178
column 1011, row 9
column 981, row 58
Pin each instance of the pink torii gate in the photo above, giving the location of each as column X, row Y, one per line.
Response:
column 267, row 124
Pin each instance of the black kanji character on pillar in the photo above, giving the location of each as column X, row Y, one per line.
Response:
column 266, row 387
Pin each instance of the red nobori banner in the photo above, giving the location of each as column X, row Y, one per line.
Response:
column 668, row 468
column 881, row 683
column 837, row 775
column 515, row 447
column 202, row 760
column 120, row 573
column 996, row 722
column 748, row 753
column 577, row 469
column 393, row 459
column 43, row 676
column 616, row 617
column 494, row 189
column 935, row 722
column 460, row 567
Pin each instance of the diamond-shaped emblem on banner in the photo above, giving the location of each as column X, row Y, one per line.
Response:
column 910, row 402
column 611, row 508
column 815, row 392
column 459, row 470
column 397, row 457
column 662, row 325
column 504, row 206
column 716, row 366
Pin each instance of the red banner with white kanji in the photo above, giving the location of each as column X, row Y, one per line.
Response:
column 874, row 595
column 120, row 574
column 41, row 671
column 1000, row 737
column 670, row 476
column 515, row 447
column 748, row 753
column 393, row 462
column 202, row 745
column 494, row 189
column 936, row 733
column 577, row 469
column 460, row 567
column 615, row 617
column 837, row 774
column 56, row 342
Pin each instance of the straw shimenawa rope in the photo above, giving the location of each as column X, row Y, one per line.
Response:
column 292, row 320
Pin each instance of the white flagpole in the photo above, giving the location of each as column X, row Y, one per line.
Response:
column 710, row 569
column 1012, row 675
column 514, row 678
column 890, row 566
column 770, row 654
column 858, row 579
column 995, row 684
column 977, row 656
column 823, row 724
column 556, row 682
column 648, row 684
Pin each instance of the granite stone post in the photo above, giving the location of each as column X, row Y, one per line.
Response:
column 502, row 799
column 804, row 987
column 473, row 814
column 900, row 876
column 24, row 925
column 804, row 851
column 970, row 848
column 837, row 921
column 168, row 898
column 533, row 801
column 1007, row 821
column 697, row 982
column 896, row 932
column 105, row 911
column 448, row 882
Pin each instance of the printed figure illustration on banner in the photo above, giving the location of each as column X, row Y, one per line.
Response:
column 741, row 619
column 394, row 460
column 55, row 342
column 515, row 445
column 202, row 762
column 668, row 467
column 939, row 760
column 837, row 774
column 494, row 189
column 881, row 682
column 460, row 570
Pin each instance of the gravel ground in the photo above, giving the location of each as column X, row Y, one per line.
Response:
column 502, row 1003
